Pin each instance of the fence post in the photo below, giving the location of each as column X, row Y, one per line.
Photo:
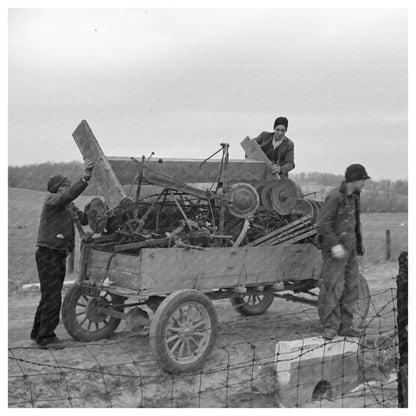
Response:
column 402, row 322
column 388, row 245
column 71, row 261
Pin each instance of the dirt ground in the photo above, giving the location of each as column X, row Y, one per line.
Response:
column 237, row 373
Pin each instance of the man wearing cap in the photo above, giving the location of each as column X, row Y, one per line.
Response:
column 56, row 238
column 339, row 236
column 278, row 148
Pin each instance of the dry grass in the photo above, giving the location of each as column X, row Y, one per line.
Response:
column 374, row 228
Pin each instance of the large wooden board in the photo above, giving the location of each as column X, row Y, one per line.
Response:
column 90, row 149
column 191, row 170
column 253, row 151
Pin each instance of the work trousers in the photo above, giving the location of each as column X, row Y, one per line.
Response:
column 338, row 298
column 51, row 266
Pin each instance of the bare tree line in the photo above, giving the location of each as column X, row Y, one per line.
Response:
column 378, row 196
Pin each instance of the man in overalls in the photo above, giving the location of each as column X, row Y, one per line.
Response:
column 56, row 238
column 339, row 235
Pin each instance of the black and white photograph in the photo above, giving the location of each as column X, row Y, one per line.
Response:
column 207, row 206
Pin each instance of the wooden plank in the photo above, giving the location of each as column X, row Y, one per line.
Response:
column 90, row 149
column 253, row 151
column 156, row 178
column 170, row 269
column 121, row 261
column 280, row 230
column 190, row 170
column 300, row 261
column 117, row 277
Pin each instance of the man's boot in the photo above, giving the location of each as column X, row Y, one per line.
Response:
column 329, row 334
column 349, row 332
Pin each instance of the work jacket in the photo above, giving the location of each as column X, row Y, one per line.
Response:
column 339, row 220
column 56, row 227
column 283, row 155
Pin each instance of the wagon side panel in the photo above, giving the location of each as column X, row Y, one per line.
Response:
column 123, row 269
column 167, row 270
column 300, row 262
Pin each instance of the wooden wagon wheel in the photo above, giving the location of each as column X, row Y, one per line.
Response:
column 82, row 318
column 251, row 304
column 183, row 331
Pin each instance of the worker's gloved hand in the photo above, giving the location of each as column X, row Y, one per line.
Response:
column 88, row 167
column 273, row 169
column 338, row 252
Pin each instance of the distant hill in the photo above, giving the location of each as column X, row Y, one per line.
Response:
column 378, row 196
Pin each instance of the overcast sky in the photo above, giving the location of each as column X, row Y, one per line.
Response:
column 180, row 81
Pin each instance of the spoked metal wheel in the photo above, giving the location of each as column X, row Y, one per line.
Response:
column 252, row 304
column 83, row 316
column 183, row 331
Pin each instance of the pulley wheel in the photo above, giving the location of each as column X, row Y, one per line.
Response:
column 244, row 200
column 284, row 196
column 316, row 209
column 96, row 214
column 302, row 208
column 265, row 194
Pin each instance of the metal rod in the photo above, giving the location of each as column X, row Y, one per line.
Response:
column 209, row 157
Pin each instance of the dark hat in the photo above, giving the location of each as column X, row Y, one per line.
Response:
column 355, row 172
column 55, row 182
column 281, row 120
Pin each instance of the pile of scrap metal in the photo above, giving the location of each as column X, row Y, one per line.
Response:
column 227, row 215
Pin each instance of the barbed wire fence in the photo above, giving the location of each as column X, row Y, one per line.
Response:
column 244, row 370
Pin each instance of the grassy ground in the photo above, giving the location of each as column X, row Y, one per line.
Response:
column 374, row 228
column 24, row 212
column 25, row 207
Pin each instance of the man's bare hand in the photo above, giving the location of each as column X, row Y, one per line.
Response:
column 275, row 169
column 338, row 252
column 88, row 167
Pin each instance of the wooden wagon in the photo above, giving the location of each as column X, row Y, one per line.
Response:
column 171, row 289
column 178, row 285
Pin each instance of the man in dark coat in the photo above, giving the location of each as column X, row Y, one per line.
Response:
column 278, row 148
column 339, row 235
column 56, row 238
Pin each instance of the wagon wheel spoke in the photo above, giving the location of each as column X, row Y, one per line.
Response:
column 174, row 329
column 85, row 297
column 178, row 323
column 83, row 321
column 181, row 348
column 192, row 339
column 187, row 348
column 81, row 304
column 80, row 313
column 181, row 316
column 197, row 325
column 172, row 338
column 178, row 342
column 198, row 334
column 189, row 315
column 96, row 326
column 89, row 325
